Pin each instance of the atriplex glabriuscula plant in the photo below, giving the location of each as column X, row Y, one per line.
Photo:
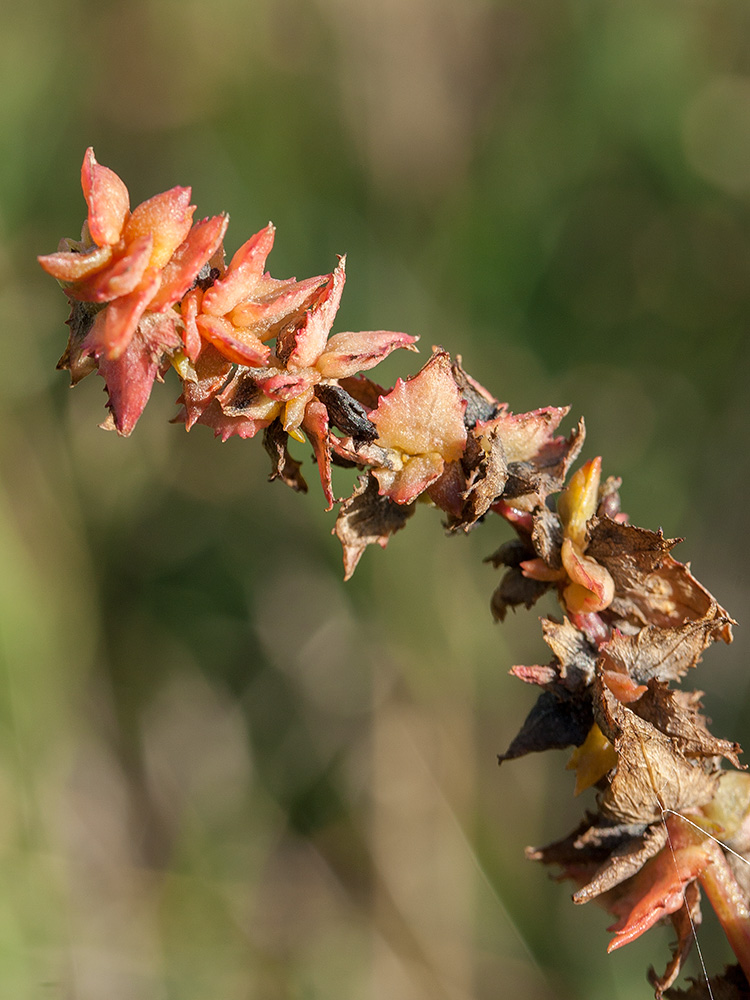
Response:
column 150, row 289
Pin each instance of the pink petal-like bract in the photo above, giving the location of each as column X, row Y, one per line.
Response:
column 243, row 274
column 130, row 376
column 69, row 266
column 310, row 339
column 406, row 485
column 242, row 347
column 284, row 386
column 525, row 434
column 107, row 199
column 121, row 277
column 275, row 305
column 348, row 353
column 167, row 217
column 180, row 273
column 316, row 424
column 226, row 425
column 212, row 369
column 189, row 309
column 115, row 325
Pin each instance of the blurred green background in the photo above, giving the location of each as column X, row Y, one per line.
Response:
column 224, row 773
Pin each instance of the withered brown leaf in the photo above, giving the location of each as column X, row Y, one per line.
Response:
column 585, row 854
column 284, row 467
column 675, row 713
column 651, row 587
column 480, row 404
column 624, row 861
column 651, row 775
column 547, row 536
column 575, row 655
column 664, row 654
column 484, row 475
column 366, row 518
column 557, row 720
column 514, row 590
column 731, row 985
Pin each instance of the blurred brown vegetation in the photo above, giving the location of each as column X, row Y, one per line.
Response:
column 223, row 773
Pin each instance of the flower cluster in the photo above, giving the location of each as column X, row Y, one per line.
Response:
column 150, row 289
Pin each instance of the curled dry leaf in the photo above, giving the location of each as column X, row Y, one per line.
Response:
column 474, row 483
column 675, row 713
column 513, row 591
column 651, row 587
column 664, row 654
column 599, row 855
column 367, row 518
column 575, row 654
column 650, row 776
column 283, row 466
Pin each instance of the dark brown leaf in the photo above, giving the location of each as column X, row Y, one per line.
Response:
column 511, row 553
column 74, row 360
column 574, row 653
column 365, row 519
column 480, row 404
column 514, row 590
column 547, row 536
column 283, row 466
column 345, row 412
column 732, row 985
column 557, row 720
column 485, row 476
column 593, row 840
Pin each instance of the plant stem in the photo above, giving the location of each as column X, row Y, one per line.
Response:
column 730, row 905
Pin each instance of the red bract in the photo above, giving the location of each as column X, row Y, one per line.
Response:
column 659, row 887
column 246, row 306
column 124, row 256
